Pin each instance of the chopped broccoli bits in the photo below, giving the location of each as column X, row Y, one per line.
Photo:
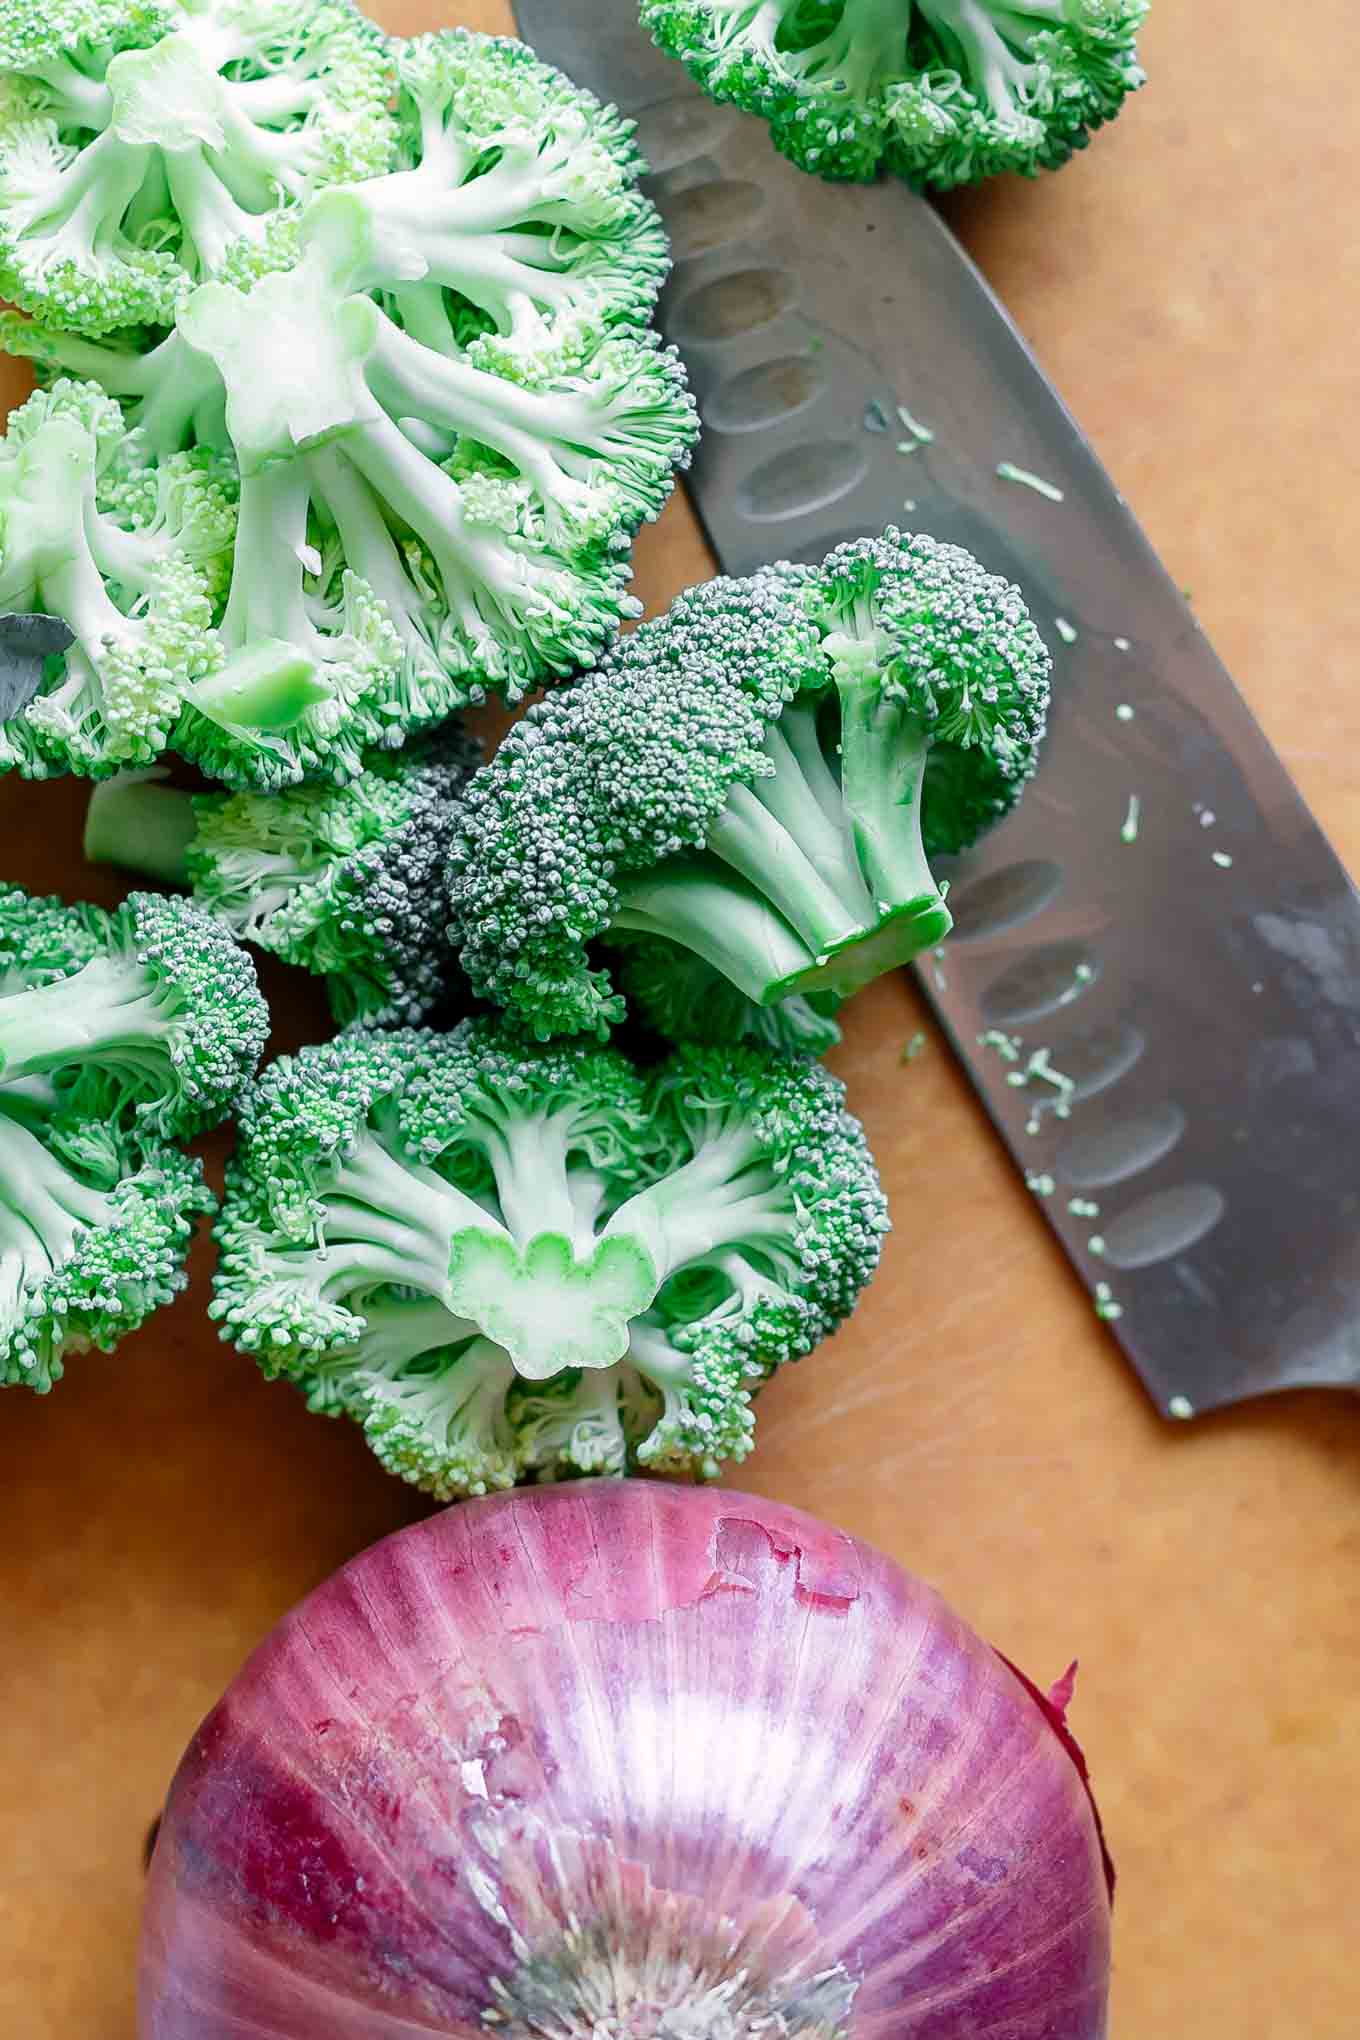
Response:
column 756, row 778
column 506, row 1260
column 146, row 146
column 943, row 92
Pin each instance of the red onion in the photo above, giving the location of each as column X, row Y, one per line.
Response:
column 622, row 1761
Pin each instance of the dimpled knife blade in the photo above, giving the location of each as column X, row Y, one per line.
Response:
column 1154, row 976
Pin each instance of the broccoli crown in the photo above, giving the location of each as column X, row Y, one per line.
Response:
column 144, row 147
column 345, row 881
column 944, row 92
column 130, row 552
column 93, row 1239
column 156, row 1025
column 507, row 1260
column 513, row 232
column 413, row 532
column 758, row 777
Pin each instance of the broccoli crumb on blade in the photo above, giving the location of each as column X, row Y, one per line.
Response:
column 943, row 93
column 1128, row 831
column 842, row 724
column 142, row 148
column 1009, row 472
column 344, row 881
column 508, row 1262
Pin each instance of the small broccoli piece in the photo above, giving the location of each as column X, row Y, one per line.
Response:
column 513, row 230
column 90, row 1244
column 157, row 1025
column 944, row 92
column 345, row 881
column 144, row 147
column 685, row 999
column 130, row 552
column 757, row 777
column 509, row 1261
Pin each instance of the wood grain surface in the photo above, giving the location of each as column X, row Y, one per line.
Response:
column 1192, row 286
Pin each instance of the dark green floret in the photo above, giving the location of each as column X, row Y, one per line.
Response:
column 156, row 1025
column 344, row 881
column 944, row 92
column 509, row 1261
column 758, row 778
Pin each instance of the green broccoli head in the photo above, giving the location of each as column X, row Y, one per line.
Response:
column 944, row 92
column 758, row 778
column 507, row 1260
column 143, row 148
column 91, row 1241
column 156, row 1026
column 129, row 551
column 513, row 232
column 344, row 881
column 413, row 532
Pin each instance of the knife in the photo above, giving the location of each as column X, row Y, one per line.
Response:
column 1154, row 975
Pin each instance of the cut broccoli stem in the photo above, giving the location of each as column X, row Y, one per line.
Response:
column 140, row 824
column 371, row 552
column 883, row 769
column 726, row 1195
column 402, row 1215
column 987, row 56
column 756, row 843
column 535, row 1185
column 213, row 221
column 399, row 1330
column 868, row 40
column 699, row 904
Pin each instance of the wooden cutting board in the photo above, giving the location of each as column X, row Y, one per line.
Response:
column 1192, row 288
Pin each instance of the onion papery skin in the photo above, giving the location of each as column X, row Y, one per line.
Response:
column 626, row 1761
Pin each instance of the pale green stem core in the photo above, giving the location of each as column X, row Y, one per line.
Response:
column 725, row 1195
column 42, row 1206
column 142, row 826
column 406, row 1213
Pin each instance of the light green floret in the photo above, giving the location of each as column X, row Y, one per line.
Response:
column 508, row 1261
column 944, row 92
column 145, row 148
column 345, row 881
column 757, row 779
column 129, row 552
column 414, row 532
column 157, row 1026
column 89, row 1248
column 512, row 231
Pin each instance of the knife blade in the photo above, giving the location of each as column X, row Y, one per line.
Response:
column 1154, row 974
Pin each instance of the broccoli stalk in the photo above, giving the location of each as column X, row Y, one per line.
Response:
column 159, row 1026
column 84, row 1256
column 504, row 1260
column 942, row 91
column 840, row 726
column 143, row 150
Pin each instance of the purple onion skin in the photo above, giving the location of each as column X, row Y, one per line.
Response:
column 626, row 1759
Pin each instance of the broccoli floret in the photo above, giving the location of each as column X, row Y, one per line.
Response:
column 130, row 552
column 144, row 147
column 91, row 1241
column 758, row 777
column 686, row 999
column 944, row 92
column 345, row 881
column 156, row 1025
column 509, row 1261
column 513, row 233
